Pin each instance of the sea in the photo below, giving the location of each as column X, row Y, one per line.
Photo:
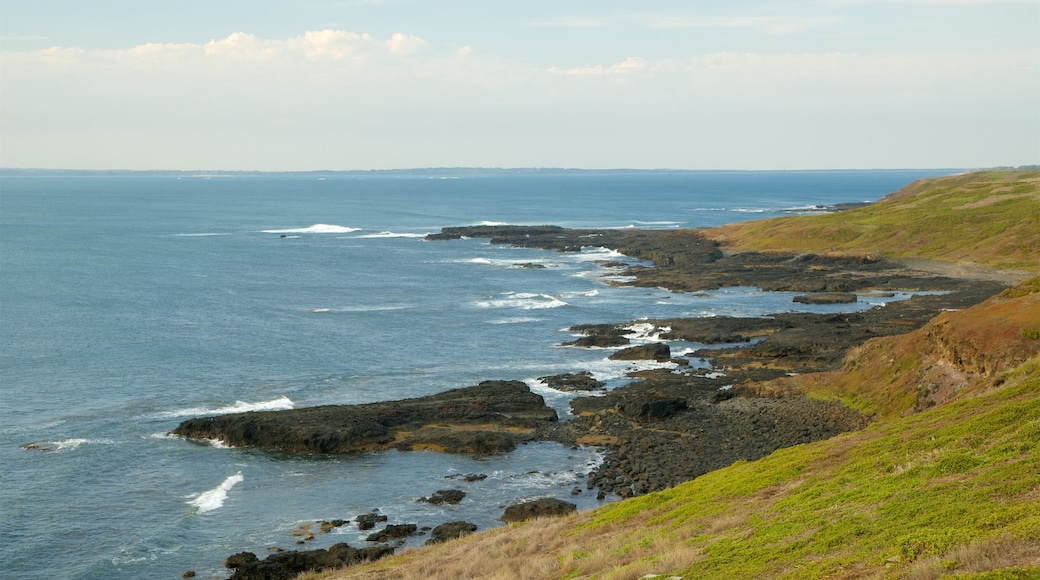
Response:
column 132, row 301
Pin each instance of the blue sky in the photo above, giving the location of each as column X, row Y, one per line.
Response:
column 317, row 84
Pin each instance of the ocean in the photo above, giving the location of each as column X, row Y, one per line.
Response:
column 130, row 302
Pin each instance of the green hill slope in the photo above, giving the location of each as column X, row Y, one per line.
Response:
column 952, row 490
column 990, row 218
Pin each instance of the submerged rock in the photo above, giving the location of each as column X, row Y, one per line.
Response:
column 441, row 496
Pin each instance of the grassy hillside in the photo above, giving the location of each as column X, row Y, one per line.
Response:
column 956, row 355
column 952, row 490
column 990, row 218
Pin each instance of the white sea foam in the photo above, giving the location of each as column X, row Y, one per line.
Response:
column 523, row 300
column 279, row 404
column 486, row 223
column 515, row 320
column 360, row 308
column 596, row 253
column 668, row 224
column 315, row 229
column 644, row 331
column 578, row 294
column 607, row 370
column 213, row 499
column 388, row 235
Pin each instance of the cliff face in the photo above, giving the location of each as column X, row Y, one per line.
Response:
column 955, row 355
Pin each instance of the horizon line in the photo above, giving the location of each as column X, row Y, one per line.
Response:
column 441, row 169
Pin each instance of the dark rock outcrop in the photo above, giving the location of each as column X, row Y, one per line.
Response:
column 393, row 531
column 583, row 381
column 288, row 564
column 441, row 496
column 450, row 531
column 369, row 520
column 826, row 298
column 491, row 417
column 657, row 351
column 545, row 507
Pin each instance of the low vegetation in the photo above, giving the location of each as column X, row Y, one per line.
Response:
column 990, row 218
column 945, row 481
column 952, row 490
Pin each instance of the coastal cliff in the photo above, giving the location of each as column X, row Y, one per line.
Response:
column 942, row 479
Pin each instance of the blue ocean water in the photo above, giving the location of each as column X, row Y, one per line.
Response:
column 131, row 302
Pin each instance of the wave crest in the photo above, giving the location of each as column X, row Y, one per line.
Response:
column 213, row 499
column 315, row 229
column 280, row 404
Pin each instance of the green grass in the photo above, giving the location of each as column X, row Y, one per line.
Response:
column 992, row 218
column 898, row 492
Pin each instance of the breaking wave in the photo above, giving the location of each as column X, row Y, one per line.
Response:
column 279, row 404
column 315, row 229
column 213, row 499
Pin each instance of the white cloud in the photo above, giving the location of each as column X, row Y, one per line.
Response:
column 630, row 65
column 405, row 44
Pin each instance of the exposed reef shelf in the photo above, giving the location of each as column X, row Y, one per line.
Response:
column 491, row 417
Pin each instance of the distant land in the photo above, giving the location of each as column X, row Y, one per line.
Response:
column 427, row 171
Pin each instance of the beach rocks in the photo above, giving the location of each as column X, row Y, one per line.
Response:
column 448, row 496
column 826, row 298
column 367, row 521
column 583, row 381
column 392, row 531
column 491, row 417
column 538, row 508
column 450, row 531
column 657, row 351
column 288, row 564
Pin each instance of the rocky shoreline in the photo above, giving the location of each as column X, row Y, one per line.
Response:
column 668, row 426
column 671, row 426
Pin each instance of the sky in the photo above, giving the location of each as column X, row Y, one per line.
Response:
column 283, row 85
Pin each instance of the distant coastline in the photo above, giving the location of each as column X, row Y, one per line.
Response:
column 428, row 171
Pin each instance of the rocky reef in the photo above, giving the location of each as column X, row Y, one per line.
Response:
column 488, row 418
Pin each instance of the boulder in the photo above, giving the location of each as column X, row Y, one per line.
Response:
column 450, row 496
column 450, row 531
column 654, row 351
column 239, row 559
column 583, row 381
column 369, row 520
column 650, row 406
column 545, row 507
column 393, row 531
